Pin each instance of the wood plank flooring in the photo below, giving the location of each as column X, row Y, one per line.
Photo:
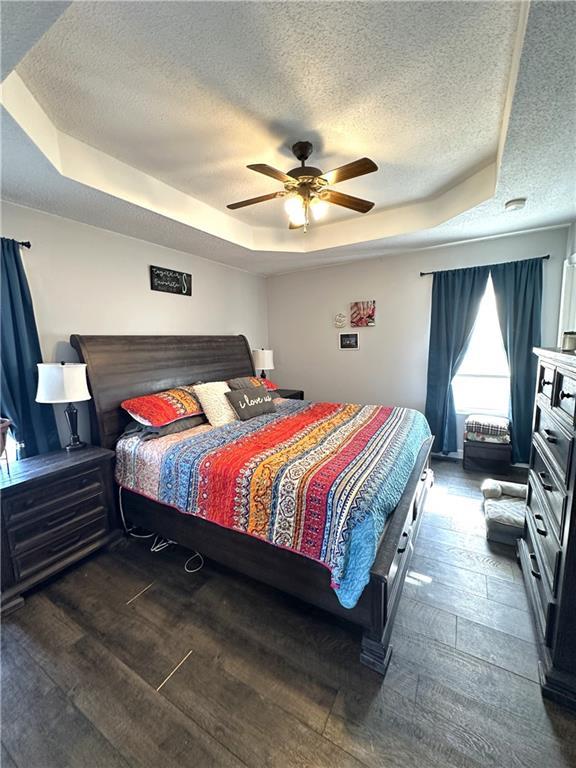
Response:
column 129, row 661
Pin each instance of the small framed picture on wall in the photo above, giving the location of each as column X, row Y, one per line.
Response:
column 348, row 340
column 363, row 314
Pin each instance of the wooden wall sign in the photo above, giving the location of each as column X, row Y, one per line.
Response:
column 170, row 281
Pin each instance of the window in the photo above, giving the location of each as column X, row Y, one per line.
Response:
column 482, row 384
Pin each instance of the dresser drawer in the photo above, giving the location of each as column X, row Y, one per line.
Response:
column 542, row 533
column 543, row 605
column 60, row 548
column 43, row 498
column 542, row 476
column 545, row 380
column 558, row 441
column 564, row 400
column 40, row 531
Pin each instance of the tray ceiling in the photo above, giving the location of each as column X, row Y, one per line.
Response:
column 163, row 104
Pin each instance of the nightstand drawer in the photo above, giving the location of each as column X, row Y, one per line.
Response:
column 38, row 501
column 542, row 533
column 41, row 531
column 558, row 442
column 59, row 549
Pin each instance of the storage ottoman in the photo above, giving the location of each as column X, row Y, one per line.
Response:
column 487, row 445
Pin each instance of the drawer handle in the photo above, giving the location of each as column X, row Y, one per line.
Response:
column 543, row 531
column 565, row 395
column 535, row 571
column 549, row 436
column 68, row 543
column 544, row 383
column 59, row 520
column 544, row 482
column 401, row 548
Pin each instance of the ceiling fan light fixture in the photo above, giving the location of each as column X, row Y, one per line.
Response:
column 296, row 209
column 319, row 208
column 306, row 194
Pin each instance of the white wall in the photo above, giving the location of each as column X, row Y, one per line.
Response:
column 571, row 244
column 567, row 318
column 87, row 280
column 390, row 366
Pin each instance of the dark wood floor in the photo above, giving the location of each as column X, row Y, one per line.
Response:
column 129, row 661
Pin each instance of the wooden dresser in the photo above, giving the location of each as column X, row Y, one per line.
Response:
column 548, row 551
column 56, row 509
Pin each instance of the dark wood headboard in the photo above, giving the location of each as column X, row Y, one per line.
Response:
column 120, row 367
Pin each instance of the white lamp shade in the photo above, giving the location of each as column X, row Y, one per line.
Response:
column 62, row 383
column 263, row 359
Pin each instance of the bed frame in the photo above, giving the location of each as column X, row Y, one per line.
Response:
column 120, row 367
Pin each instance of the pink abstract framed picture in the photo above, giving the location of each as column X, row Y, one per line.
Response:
column 363, row 314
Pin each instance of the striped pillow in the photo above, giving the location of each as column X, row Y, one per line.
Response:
column 251, row 381
column 163, row 408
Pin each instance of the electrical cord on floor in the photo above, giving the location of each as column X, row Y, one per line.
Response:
column 159, row 542
column 130, row 531
column 198, row 567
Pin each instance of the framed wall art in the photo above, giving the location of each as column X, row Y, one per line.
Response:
column 348, row 341
column 170, row 281
column 363, row 314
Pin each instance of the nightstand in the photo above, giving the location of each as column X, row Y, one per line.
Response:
column 291, row 394
column 56, row 509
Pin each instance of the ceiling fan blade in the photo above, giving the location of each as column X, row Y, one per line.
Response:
column 254, row 200
column 347, row 201
column 350, row 170
column 267, row 170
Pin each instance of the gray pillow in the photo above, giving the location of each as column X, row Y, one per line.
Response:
column 251, row 402
column 151, row 433
column 244, row 382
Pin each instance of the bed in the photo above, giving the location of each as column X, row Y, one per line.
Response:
column 120, row 367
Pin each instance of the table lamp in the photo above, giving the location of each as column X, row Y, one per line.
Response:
column 64, row 383
column 263, row 359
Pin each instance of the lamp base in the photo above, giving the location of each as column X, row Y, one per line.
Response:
column 262, row 374
column 72, row 418
column 75, row 446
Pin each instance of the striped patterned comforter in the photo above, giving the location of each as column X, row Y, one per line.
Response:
column 317, row 478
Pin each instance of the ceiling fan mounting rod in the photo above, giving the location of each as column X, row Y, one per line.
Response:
column 302, row 151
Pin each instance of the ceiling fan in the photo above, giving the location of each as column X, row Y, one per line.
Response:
column 306, row 190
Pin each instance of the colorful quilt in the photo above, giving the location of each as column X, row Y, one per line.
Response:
column 317, row 478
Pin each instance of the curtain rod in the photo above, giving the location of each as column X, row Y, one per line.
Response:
column 541, row 258
column 25, row 244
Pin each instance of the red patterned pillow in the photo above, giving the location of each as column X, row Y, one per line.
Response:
column 243, row 382
column 268, row 384
column 164, row 407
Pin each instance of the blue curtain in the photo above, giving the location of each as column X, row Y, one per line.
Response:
column 34, row 425
column 518, row 289
column 456, row 296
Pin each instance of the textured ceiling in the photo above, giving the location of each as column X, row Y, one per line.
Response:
column 192, row 92
column 22, row 24
column 539, row 161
